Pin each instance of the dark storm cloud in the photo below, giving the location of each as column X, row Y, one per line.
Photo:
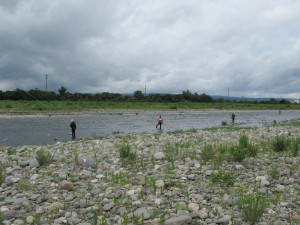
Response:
column 253, row 48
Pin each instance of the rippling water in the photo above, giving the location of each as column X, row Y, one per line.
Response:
column 28, row 130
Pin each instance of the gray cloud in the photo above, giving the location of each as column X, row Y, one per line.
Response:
column 207, row 46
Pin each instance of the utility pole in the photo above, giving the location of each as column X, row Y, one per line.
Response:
column 145, row 90
column 46, row 76
column 228, row 93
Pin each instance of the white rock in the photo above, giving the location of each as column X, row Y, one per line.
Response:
column 159, row 155
column 159, row 184
column 193, row 207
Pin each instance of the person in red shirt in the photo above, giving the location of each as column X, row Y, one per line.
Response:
column 159, row 122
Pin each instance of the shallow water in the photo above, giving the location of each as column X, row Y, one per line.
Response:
column 36, row 130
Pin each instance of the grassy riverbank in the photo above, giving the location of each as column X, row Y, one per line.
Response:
column 70, row 106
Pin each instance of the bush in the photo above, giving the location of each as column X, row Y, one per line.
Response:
column 243, row 150
column 43, row 157
column 2, row 174
column 274, row 174
column 225, row 179
column 253, row 207
column 244, row 141
column 280, row 144
column 1, row 217
column 295, row 147
column 126, row 154
column 208, row 153
column 238, row 154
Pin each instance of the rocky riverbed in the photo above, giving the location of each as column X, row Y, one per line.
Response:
column 163, row 178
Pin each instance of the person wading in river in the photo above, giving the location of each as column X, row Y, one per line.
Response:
column 159, row 122
column 73, row 127
column 233, row 117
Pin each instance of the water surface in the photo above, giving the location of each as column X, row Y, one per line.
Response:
column 45, row 129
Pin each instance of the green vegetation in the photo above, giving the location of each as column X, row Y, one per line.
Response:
column 1, row 217
column 243, row 150
column 223, row 178
column 43, row 157
column 253, row 207
column 126, row 154
column 71, row 106
column 280, row 144
column 274, row 174
column 36, row 100
column 2, row 174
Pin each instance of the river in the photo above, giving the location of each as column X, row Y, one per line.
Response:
column 46, row 129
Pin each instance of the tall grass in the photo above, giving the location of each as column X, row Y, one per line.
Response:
column 2, row 174
column 253, row 207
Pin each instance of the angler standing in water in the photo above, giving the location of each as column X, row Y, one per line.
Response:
column 159, row 122
column 73, row 127
column 233, row 117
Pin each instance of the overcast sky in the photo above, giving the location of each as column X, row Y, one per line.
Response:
column 249, row 48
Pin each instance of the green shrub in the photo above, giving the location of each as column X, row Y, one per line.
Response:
column 243, row 150
column 280, row 144
column 274, row 174
column 253, row 207
column 126, row 154
column 238, row 154
column 173, row 107
column 295, row 146
column 2, row 174
column 244, row 141
column 222, row 177
column 11, row 151
column 124, row 151
column 171, row 151
column 43, row 157
column 208, row 153
column 1, row 217
column 223, row 123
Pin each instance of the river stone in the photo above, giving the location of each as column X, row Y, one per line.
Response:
column 62, row 175
column 89, row 162
column 54, row 207
column 263, row 180
column 15, row 201
column 10, row 214
column 33, row 163
column 159, row 155
column 142, row 211
column 24, row 163
column 193, row 207
column 159, row 184
column 67, row 185
column 34, row 177
column 224, row 220
column 108, row 206
column 30, row 219
column 82, row 203
column 203, row 214
column 179, row 220
column 280, row 188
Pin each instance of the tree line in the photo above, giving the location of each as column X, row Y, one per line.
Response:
column 63, row 94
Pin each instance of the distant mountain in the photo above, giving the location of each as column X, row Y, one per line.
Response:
column 232, row 98
column 247, row 98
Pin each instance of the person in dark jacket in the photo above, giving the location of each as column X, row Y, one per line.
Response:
column 233, row 117
column 73, row 127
